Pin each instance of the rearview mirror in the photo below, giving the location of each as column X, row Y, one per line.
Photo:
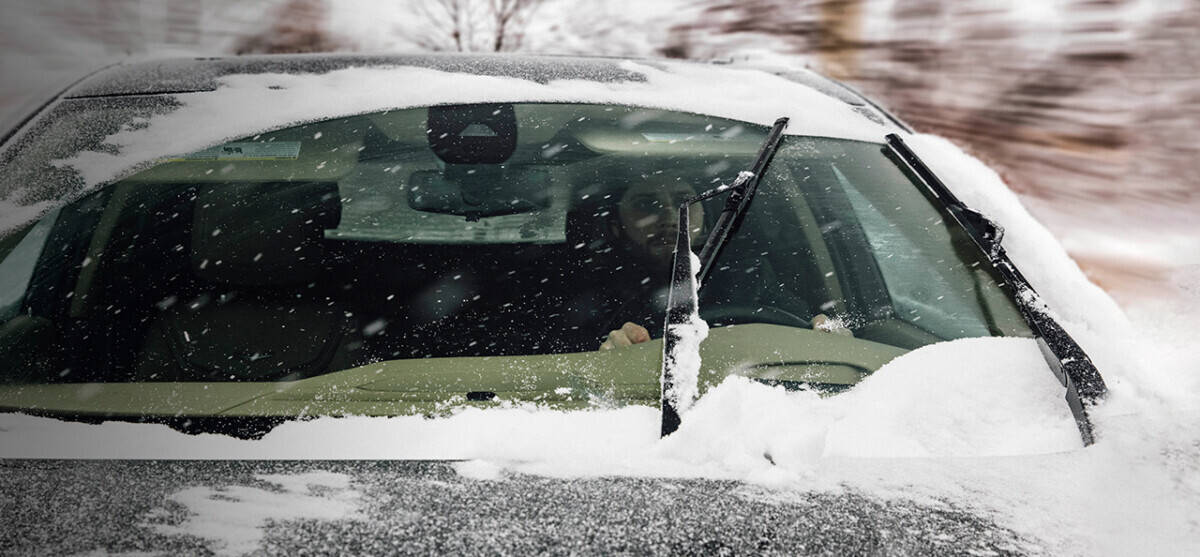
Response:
column 472, row 133
column 479, row 192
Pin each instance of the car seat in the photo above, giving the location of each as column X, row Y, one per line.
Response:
column 259, row 248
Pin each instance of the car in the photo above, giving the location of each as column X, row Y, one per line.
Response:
column 226, row 245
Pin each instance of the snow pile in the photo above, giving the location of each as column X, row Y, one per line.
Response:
column 926, row 403
column 1091, row 317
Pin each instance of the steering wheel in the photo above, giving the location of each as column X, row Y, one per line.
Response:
column 733, row 314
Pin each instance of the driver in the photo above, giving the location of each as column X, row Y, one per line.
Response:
column 645, row 231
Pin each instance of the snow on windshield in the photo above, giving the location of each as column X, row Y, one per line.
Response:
column 249, row 104
column 925, row 403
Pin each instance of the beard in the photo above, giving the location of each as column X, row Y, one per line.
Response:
column 660, row 250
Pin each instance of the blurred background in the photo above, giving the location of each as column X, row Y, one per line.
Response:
column 1089, row 108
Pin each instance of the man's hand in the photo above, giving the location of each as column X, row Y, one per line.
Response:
column 628, row 334
column 826, row 324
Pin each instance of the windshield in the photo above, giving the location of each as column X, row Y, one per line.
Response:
column 494, row 231
column 838, row 226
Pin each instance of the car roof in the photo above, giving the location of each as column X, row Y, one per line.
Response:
column 183, row 75
column 188, row 75
column 202, row 102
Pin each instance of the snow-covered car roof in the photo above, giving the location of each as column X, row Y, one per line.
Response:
column 185, row 75
column 220, row 98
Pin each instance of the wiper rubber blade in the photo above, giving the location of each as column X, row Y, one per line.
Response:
column 740, row 193
column 1069, row 363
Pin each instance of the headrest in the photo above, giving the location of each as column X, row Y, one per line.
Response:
column 588, row 225
column 259, row 233
column 590, row 221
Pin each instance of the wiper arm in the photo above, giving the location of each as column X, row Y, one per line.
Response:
column 681, row 359
column 1072, row 367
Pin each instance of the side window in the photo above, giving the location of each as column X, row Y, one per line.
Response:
column 923, row 286
column 16, row 269
column 935, row 277
column 38, row 275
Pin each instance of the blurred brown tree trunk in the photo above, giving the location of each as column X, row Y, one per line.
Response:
column 295, row 26
column 840, row 39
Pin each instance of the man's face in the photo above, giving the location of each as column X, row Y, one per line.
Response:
column 649, row 214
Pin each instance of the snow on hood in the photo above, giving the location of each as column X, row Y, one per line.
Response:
column 234, row 517
column 248, row 104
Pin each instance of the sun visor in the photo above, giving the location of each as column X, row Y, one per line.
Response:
column 320, row 152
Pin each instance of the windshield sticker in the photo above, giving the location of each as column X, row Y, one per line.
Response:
column 247, row 151
column 405, row 226
column 673, row 137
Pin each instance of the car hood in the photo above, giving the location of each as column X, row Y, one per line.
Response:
column 415, row 507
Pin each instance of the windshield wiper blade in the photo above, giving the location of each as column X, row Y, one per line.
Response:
column 678, row 353
column 740, row 193
column 1069, row 363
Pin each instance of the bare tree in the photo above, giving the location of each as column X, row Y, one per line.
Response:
column 473, row 25
column 449, row 25
column 510, row 18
